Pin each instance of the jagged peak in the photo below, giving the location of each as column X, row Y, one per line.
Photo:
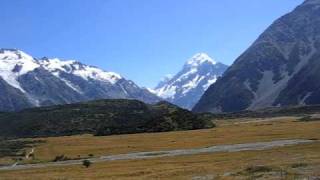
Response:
column 14, row 54
column 199, row 59
column 79, row 69
column 55, row 62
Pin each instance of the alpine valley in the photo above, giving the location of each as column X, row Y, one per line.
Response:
column 29, row 82
column 257, row 119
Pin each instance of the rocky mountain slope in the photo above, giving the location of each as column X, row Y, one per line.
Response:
column 281, row 68
column 29, row 82
column 102, row 117
column 187, row 86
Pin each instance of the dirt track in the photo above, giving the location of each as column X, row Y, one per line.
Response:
column 159, row 154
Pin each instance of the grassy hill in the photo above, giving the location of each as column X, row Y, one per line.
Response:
column 102, row 117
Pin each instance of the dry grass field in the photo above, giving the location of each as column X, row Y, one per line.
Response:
column 279, row 163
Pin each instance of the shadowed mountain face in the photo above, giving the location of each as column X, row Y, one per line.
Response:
column 29, row 82
column 103, row 117
column 11, row 98
column 187, row 86
column 281, row 68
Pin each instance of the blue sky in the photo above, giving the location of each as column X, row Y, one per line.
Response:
column 143, row 40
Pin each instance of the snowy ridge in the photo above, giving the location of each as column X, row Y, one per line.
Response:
column 73, row 67
column 167, row 92
column 210, row 82
column 199, row 59
column 187, row 86
column 191, row 69
column 14, row 63
column 31, row 82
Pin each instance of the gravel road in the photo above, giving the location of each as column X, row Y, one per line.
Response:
column 159, row 154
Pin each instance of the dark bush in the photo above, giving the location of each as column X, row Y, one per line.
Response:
column 298, row 165
column 258, row 169
column 86, row 163
column 102, row 117
column 61, row 158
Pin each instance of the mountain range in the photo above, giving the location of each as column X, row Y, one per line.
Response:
column 29, row 82
column 281, row 68
column 188, row 85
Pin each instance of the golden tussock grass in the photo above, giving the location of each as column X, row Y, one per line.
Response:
column 222, row 165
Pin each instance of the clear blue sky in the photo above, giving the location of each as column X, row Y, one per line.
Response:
column 143, row 40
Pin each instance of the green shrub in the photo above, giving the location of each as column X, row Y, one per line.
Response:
column 86, row 163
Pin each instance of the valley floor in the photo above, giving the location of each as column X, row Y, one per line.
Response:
column 287, row 162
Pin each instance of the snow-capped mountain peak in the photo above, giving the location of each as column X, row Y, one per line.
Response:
column 14, row 63
column 199, row 59
column 187, row 86
column 56, row 66
column 14, row 54
column 28, row 82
